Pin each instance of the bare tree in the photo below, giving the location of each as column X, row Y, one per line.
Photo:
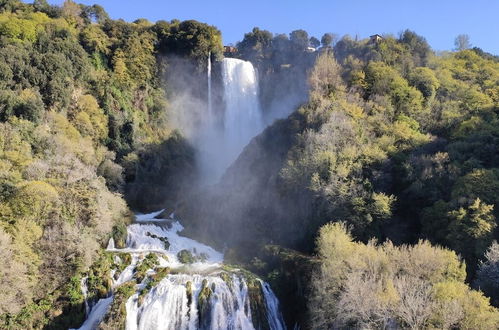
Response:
column 487, row 278
column 451, row 313
column 15, row 289
column 362, row 302
column 462, row 42
column 325, row 78
column 416, row 303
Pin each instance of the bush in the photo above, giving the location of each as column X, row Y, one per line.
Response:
column 186, row 257
column 372, row 285
column 119, row 235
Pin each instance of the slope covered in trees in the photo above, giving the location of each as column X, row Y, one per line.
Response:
column 82, row 121
column 396, row 141
column 391, row 143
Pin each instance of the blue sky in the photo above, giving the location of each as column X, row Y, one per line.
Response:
column 439, row 21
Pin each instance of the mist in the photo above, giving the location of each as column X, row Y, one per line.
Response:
column 219, row 110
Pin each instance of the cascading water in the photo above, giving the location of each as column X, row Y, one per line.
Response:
column 202, row 294
column 210, row 102
column 226, row 129
column 188, row 287
column 243, row 117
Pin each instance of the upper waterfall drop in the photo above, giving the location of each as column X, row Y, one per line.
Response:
column 243, row 116
column 210, row 102
column 230, row 122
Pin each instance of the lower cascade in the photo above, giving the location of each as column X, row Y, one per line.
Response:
column 168, row 281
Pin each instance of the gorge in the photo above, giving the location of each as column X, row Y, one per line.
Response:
column 302, row 182
column 189, row 287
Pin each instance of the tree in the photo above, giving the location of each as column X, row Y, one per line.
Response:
column 95, row 13
column 425, row 81
column 72, row 12
column 471, row 228
column 256, row 45
column 487, row 278
column 299, row 38
column 93, row 39
column 30, row 105
column 15, row 288
column 325, row 78
column 327, row 39
column 416, row 302
column 314, row 42
column 418, row 47
column 462, row 42
column 373, row 286
column 192, row 39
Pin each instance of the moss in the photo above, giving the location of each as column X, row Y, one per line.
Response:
column 257, row 304
column 227, row 279
column 149, row 262
column 188, row 291
column 125, row 259
column 119, row 235
column 115, row 317
column 255, row 293
column 152, row 281
column 162, row 239
column 186, row 257
column 98, row 281
column 204, row 309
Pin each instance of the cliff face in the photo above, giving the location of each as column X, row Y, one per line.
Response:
column 247, row 207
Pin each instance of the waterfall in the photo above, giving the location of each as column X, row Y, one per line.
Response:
column 110, row 244
column 210, row 104
column 170, row 307
column 200, row 295
column 272, row 304
column 225, row 129
column 243, row 117
column 84, row 290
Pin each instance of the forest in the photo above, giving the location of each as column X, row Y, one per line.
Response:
column 374, row 204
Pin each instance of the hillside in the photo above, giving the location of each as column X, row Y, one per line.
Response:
column 369, row 200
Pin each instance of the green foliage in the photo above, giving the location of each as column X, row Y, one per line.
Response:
column 149, row 262
column 382, row 79
column 416, row 286
column 115, row 317
column 425, row 81
column 327, row 40
column 162, row 239
column 299, row 39
column 119, row 235
column 185, row 257
column 153, row 280
column 190, row 38
column 256, row 45
column 471, row 227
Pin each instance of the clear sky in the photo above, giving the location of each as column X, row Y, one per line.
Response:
column 439, row 21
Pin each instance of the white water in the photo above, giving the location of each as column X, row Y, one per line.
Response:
column 243, row 116
column 272, row 305
column 167, row 305
column 98, row 312
column 84, row 290
column 224, row 132
column 210, row 103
